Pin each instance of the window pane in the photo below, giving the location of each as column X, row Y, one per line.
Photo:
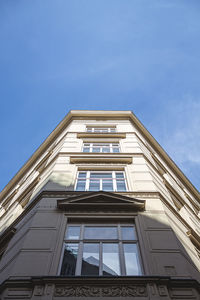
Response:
column 96, row 149
column 69, row 259
column 120, row 175
column 112, row 129
column 73, row 233
column 107, row 185
column 100, row 233
column 131, row 259
column 82, row 175
column 85, row 149
column 121, row 185
column 90, row 261
column 116, row 150
column 80, row 185
column 111, row 259
column 128, row 233
column 105, row 149
column 89, row 129
column 94, row 185
column 100, row 175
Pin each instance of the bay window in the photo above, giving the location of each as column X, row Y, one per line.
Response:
column 101, row 147
column 101, row 181
column 100, row 250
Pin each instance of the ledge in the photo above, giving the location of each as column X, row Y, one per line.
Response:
column 101, row 135
column 100, row 158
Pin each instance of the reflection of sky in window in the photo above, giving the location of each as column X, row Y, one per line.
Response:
column 100, row 232
column 73, row 232
column 131, row 259
column 111, row 259
column 128, row 233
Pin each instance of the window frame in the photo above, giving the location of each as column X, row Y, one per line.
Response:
column 114, row 180
column 118, row 241
column 102, row 145
column 101, row 129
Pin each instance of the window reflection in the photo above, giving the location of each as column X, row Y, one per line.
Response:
column 69, row 259
column 90, row 261
column 100, row 233
column 131, row 259
column 73, row 232
column 111, row 259
column 99, row 250
column 128, row 233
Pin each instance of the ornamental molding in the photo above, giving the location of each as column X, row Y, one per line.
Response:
column 101, row 291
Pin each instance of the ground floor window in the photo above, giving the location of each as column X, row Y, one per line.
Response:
column 100, row 250
column 101, row 181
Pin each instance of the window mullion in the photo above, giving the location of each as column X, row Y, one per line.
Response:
column 79, row 259
column 114, row 181
column 87, row 181
column 122, row 259
column 100, row 259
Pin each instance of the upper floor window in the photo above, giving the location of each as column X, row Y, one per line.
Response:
column 101, row 147
column 100, row 129
column 101, row 250
column 101, row 181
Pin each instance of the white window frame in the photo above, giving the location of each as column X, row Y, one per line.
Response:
column 91, row 146
column 114, row 180
column 101, row 129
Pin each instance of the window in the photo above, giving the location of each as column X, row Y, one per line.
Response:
column 101, row 181
column 100, row 129
column 100, row 250
column 101, row 147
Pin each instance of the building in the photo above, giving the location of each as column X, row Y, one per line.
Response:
column 100, row 211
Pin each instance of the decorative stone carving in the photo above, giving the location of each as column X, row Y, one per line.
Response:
column 38, row 291
column 101, row 291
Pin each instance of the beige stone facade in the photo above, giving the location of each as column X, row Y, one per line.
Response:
column 145, row 189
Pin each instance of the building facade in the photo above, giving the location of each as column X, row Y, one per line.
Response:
column 100, row 211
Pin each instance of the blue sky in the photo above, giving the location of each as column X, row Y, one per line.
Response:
column 139, row 55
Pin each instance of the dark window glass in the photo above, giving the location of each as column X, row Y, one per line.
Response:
column 69, row 259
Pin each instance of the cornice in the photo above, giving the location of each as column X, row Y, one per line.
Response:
column 111, row 159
